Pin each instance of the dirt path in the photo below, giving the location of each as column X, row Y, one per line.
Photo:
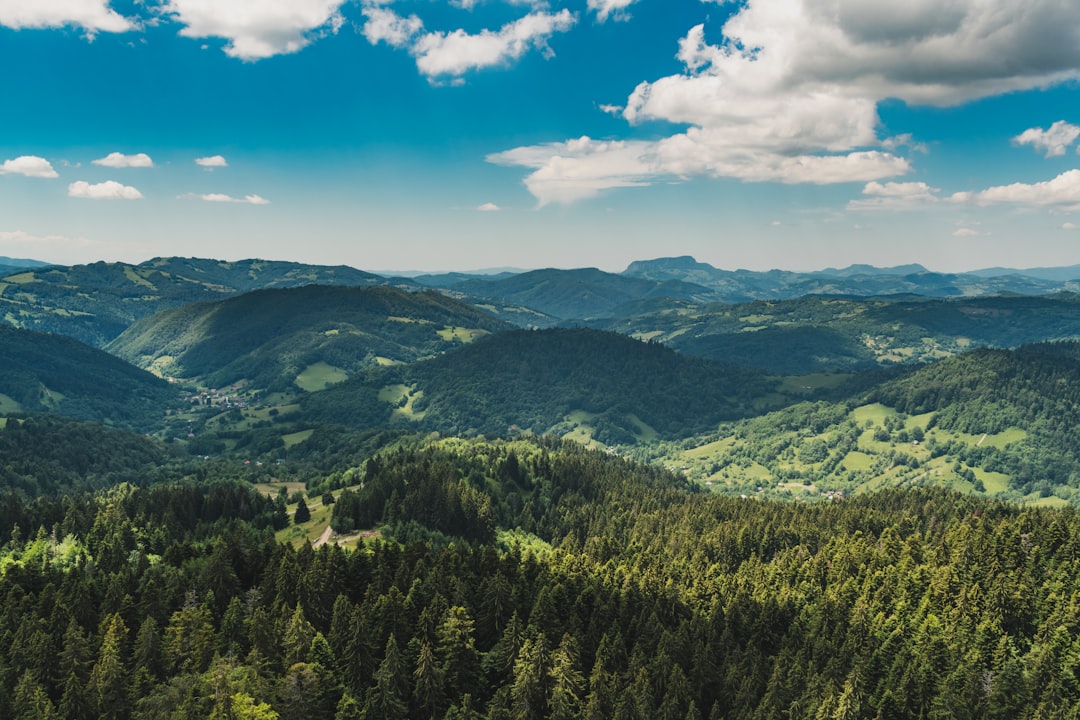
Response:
column 324, row 538
column 981, row 440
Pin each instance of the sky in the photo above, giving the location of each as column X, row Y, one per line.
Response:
column 437, row 135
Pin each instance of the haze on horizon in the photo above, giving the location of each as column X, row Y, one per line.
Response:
column 431, row 136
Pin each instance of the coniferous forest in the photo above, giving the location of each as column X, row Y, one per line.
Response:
column 534, row 579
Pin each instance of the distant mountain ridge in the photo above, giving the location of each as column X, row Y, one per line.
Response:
column 95, row 303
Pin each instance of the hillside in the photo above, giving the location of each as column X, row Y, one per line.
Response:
column 578, row 383
column 300, row 338
column 841, row 334
column 533, row 579
column 94, row 303
column 52, row 373
column 574, row 294
column 999, row 422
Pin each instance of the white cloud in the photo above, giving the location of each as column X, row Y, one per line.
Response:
column 222, row 198
column 452, row 54
column 1052, row 141
column 93, row 16
column 1062, row 193
column 389, row 27
column 610, row 8
column 119, row 160
column 895, row 196
column 489, row 207
column 30, row 166
column 108, row 190
column 1069, row 226
column 214, row 161
column 456, row 53
column 967, row 232
column 257, row 29
column 790, row 89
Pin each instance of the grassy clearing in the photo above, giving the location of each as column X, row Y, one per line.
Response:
column 859, row 461
column 134, row 277
column 994, row 482
column 294, row 439
column 8, row 405
column 462, row 335
column 385, row 362
column 271, row 489
column 21, row 278
column 404, row 399
column 583, row 427
column 709, row 449
column 395, row 318
column 644, row 432
column 816, row 381
column 1053, row 502
column 319, row 377
column 875, row 413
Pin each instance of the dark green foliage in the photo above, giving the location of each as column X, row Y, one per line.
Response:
column 534, row 379
column 840, row 334
column 52, row 373
column 268, row 337
column 302, row 514
column 636, row 597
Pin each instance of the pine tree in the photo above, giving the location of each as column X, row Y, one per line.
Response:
column 108, row 679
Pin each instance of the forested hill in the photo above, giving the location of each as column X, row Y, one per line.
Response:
column 995, row 422
column 271, row 337
column 94, row 303
column 628, row 597
column 40, row 372
column 840, row 334
column 609, row 387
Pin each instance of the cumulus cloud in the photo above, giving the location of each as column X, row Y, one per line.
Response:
column 119, row 160
column 1052, row 141
column 1069, row 226
column 1061, row 193
column 108, row 190
column 214, row 161
column 610, row 8
column 452, row 54
column 789, row 90
column 222, row 198
column 382, row 25
column 93, row 16
column 257, row 29
column 30, row 166
column 895, row 196
column 488, row 207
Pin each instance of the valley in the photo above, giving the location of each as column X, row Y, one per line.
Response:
column 280, row 499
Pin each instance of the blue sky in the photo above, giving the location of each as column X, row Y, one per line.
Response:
column 465, row 134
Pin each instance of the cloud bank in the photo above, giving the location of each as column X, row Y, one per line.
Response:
column 789, row 91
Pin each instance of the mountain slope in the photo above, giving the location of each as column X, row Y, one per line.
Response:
column 576, row 294
column 1000, row 422
column 270, row 337
column 94, row 303
column 582, row 383
column 51, row 373
column 814, row 334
